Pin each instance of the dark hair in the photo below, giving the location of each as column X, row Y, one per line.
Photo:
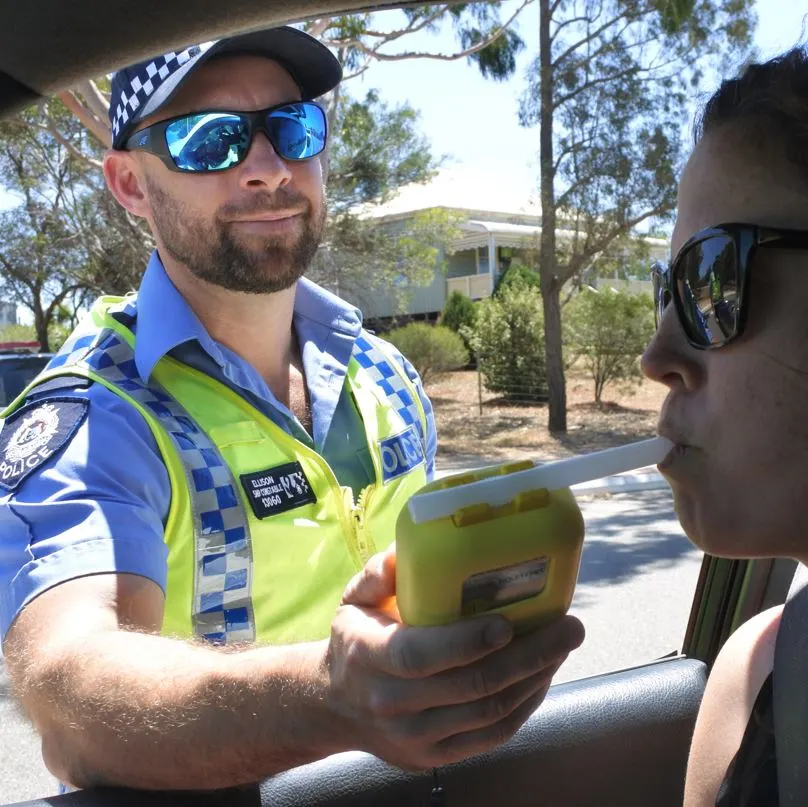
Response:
column 770, row 102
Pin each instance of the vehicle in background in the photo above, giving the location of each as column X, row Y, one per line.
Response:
column 20, row 363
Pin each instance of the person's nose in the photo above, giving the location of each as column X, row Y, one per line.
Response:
column 263, row 167
column 669, row 359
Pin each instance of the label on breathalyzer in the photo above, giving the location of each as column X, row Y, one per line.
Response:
column 508, row 584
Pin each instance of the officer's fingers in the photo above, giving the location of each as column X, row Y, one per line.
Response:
column 525, row 657
column 375, row 585
column 463, row 745
column 421, row 652
column 436, row 725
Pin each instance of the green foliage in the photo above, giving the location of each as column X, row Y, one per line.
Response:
column 508, row 340
column 517, row 273
column 460, row 314
column 623, row 77
column 458, row 311
column 607, row 331
column 57, row 334
column 375, row 150
column 360, row 258
column 61, row 244
column 357, row 38
column 18, row 333
column 432, row 349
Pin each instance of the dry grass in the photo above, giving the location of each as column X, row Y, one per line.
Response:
column 511, row 432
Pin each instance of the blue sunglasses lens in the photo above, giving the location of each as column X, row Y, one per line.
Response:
column 297, row 131
column 215, row 141
column 212, row 141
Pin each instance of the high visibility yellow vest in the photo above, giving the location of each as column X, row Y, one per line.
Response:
column 261, row 537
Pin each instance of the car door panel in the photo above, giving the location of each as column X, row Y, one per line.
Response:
column 620, row 738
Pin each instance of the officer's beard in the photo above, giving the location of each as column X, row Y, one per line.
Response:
column 212, row 253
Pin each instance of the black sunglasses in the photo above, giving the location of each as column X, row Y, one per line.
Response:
column 708, row 279
column 218, row 140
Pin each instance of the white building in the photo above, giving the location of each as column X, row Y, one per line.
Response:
column 497, row 225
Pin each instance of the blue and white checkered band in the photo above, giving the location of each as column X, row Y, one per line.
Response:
column 222, row 610
column 144, row 81
column 389, row 379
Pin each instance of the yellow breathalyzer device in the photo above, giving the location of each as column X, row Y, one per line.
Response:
column 506, row 539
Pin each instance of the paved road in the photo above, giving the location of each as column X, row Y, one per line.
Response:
column 635, row 587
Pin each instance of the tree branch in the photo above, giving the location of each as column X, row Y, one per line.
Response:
column 597, row 32
column 567, row 150
column 98, row 105
column 391, row 36
column 577, row 261
column 592, row 55
column 101, row 131
column 571, row 21
column 51, row 129
column 443, row 57
column 16, row 275
column 559, row 102
column 357, row 73
column 59, row 299
column 319, row 27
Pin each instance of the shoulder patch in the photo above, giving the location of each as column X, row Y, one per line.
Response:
column 34, row 433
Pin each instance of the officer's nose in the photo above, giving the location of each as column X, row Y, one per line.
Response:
column 263, row 167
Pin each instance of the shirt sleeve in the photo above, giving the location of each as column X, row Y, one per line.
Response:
column 431, row 429
column 96, row 506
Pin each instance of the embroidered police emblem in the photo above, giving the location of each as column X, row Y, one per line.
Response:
column 278, row 489
column 34, row 433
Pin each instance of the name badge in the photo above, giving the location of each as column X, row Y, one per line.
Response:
column 277, row 490
column 401, row 454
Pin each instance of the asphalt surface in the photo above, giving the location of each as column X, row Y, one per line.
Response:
column 635, row 587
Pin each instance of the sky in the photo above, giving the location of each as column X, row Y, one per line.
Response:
column 475, row 121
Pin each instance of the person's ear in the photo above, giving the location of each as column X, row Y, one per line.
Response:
column 126, row 181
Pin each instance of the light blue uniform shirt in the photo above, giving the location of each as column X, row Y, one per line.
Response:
column 100, row 505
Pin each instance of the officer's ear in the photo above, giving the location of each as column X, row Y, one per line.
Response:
column 126, row 181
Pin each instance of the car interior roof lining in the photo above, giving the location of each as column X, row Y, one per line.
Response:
column 50, row 45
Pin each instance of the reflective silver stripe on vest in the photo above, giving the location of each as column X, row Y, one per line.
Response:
column 223, row 566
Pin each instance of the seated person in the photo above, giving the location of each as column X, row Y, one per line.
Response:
column 736, row 402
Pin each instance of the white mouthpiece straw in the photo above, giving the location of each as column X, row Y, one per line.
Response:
column 499, row 490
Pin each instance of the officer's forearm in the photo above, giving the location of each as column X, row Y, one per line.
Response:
column 144, row 711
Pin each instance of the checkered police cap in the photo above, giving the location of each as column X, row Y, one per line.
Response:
column 139, row 90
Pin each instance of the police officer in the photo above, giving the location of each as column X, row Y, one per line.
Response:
column 202, row 470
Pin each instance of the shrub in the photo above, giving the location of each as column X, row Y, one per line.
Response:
column 509, row 342
column 459, row 314
column 608, row 330
column 458, row 311
column 18, row 333
column 432, row 349
column 520, row 274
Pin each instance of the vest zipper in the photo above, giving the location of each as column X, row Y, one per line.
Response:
column 364, row 543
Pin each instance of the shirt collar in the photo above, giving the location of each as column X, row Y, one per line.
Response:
column 315, row 303
column 165, row 320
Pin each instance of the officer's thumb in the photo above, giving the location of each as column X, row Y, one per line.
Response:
column 375, row 586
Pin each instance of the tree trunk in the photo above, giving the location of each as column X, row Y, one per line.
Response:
column 550, row 289
column 331, row 106
column 41, row 327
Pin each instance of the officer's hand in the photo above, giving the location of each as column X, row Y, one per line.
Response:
column 424, row 697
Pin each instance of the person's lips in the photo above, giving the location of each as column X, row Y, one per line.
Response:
column 270, row 222
column 681, row 447
column 269, row 215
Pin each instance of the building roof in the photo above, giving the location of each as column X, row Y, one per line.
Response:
column 474, row 192
column 495, row 210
